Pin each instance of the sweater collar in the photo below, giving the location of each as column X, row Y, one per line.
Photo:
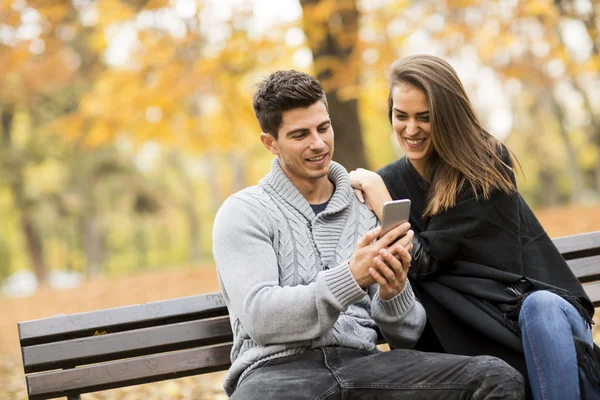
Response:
column 277, row 183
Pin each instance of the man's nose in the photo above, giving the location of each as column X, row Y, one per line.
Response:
column 317, row 142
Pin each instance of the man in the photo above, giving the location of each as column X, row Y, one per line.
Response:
column 304, row 299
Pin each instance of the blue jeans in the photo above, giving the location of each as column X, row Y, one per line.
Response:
column 548, row 324
column 344, row 373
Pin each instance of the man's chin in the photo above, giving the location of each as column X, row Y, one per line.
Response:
column 319, row 174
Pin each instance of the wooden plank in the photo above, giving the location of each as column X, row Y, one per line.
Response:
column 114, row 346
column 586, row 269
column 121, row 318
column 128, row 372
column 576, row 246
column 593, row 292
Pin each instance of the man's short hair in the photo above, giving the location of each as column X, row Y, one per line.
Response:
column 283, row 91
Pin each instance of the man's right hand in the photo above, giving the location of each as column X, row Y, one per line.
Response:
column 366, row 251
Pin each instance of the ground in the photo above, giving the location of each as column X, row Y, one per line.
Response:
column 172, row 283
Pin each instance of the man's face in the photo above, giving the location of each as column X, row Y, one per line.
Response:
column 305, row 143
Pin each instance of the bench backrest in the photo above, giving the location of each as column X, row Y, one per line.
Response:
column 151, row 342
column 582, row 253
column 87, row 352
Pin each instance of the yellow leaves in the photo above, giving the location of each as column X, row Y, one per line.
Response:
column 21, row 132
column 540, row 8
column 156, row 4
column 114, row 11
column 588, row 157
column 70, row 127
column 593, row 64
column 47, row 177
column 9, row 17
column 97, row 41
column 350, row 92
column 53, row 12
column 319, row 12
column 172, row 390
column 461, row 3
column 99, row 135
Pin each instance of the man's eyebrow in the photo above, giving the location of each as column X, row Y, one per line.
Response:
column 419, row 113
column 301, row 130
column 294, row 131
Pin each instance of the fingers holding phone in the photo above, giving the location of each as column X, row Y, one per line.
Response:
column 390, row 273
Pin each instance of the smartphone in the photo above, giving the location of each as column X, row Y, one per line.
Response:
column 394, row 213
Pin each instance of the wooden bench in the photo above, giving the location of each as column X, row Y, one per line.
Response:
column 87, row 352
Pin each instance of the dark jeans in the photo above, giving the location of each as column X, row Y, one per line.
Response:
column 343, row 373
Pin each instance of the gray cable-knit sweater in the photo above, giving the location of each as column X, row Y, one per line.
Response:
column 285, row 278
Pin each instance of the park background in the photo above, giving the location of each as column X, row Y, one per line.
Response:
column 126, row 123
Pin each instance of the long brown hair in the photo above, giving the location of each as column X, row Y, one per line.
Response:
column 466, row 157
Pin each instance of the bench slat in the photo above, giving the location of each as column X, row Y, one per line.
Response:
column 113, row 346
column 120, row 318
column 593, row 292
column 586, row 269
column 576, row 246
column 128, row 372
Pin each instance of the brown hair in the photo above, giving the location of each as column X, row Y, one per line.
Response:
column 282, row 91
column 466, row 157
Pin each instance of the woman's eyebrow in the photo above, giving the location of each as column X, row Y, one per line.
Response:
column 418, row 114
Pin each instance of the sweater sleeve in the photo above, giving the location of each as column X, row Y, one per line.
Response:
column 401, row 319
column 248, row 270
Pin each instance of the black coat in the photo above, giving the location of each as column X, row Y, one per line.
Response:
column 468, row 268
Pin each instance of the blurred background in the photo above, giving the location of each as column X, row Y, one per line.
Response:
column 126, row 123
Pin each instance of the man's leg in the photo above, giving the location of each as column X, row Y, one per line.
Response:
column 298, row 377
column 410, row 374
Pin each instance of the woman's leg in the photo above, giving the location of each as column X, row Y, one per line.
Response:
column 548, row 323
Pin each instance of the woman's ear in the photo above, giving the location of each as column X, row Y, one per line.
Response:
column 269, row 142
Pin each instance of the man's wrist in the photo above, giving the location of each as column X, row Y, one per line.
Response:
column 362, row 281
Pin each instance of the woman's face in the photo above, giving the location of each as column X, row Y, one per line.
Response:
column 410, row 120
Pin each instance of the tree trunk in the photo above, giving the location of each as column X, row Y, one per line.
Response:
column 332, row 40
column 575, row 174
column 548, row 194
column 589, row 21
column 33, row 238
column 141, row 245
column 594, row 132
column 212, row 175
column 590, row 24
column 194, row 230
column 93, row 243
column 236, row 161
column 190, row 209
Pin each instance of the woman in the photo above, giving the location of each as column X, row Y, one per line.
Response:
column 488, row 275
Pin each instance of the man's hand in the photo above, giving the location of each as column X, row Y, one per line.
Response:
column 367, row 253
column 390, row 273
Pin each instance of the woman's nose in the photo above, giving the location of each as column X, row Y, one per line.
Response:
column 411, row 127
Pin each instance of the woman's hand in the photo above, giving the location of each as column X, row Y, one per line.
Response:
column 359, row 178
column 370, row 189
